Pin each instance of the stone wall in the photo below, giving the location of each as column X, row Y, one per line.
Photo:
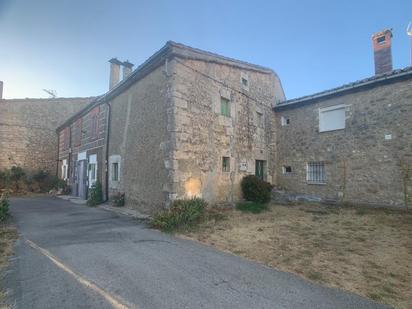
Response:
column 28, row 130
column 140, row 141
column 362, row 160
column 203, row 136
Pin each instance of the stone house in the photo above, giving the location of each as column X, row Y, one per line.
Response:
column 192, row 123
column 185, row 123
column 352, row 143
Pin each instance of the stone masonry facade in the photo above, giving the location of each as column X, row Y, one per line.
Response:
column 365, row 161
column 27, row 130
column 204, row 137
column 191, row 123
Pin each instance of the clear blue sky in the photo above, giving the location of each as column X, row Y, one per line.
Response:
column 312, row 45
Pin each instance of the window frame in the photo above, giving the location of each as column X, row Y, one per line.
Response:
column 285, row 168
column 284, row 121
column 324, row 110
column 94, row 123
column 113, row 169
column 78, row 126
column 225, row 102
column 316, row 173
column 226, row 164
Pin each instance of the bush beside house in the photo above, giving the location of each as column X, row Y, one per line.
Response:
column 256, row 192
column 95, row 195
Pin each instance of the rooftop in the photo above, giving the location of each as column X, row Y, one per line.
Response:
column 369, row 82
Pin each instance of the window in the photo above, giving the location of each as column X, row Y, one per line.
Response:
column 64, row 169
column 224, row 107
column 94, row 122
column 66, row 138
column 225, row 164
column 260, row 122
column 381, row 40
column 315, row 173
column 244, row 82
column 287, row 169
column 78, row 132
column 92, row 169
column 284, row 121
column 332, row 118
column 260, row 169
column 115, row 171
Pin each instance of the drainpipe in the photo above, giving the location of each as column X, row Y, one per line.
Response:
column 107, row 149
column 58, row 154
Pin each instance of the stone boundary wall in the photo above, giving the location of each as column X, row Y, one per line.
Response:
column 28, row 135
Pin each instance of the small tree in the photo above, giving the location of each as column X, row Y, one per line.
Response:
column 95, row 195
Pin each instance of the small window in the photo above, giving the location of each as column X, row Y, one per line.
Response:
column 66, row 138
column 315, row 173
column 78, row 132
column 260, row 169
column 225, row 107
column 260, row 122
column 244, row 82
column 381, row 40
column 287, row 169
column 332, row 118
column 115, row 171
column 284, row 121
column 64, row 169
column 225, row 164
column 94, row 122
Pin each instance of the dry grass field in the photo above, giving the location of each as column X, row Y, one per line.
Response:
column 366, row 251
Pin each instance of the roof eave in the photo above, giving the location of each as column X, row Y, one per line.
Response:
column 385, row 79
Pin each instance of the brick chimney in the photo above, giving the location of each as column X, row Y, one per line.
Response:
column 127, row 68
column 382, row 51
column 114, row 72
column 1, row 90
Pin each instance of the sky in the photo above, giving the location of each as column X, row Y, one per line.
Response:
column 315, row 45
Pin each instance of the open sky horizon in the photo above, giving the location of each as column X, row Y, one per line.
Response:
column 312, row 45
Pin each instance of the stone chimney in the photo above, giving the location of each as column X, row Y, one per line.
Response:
column 382, row 51
column 114, row 72
column 127, row 68
column 1, row 90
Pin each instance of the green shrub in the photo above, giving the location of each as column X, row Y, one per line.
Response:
column 118, row 200
column 182, row 214
column 252, row 207
column 4, row 207
column 256, row 190
column 45, row 180
column 95, row 195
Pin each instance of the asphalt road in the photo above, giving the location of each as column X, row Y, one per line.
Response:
column 73, row 256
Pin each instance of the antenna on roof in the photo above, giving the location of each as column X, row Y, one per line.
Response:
column 409, row 33
column 52, row 93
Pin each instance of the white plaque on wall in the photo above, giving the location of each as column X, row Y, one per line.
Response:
column 243, row 166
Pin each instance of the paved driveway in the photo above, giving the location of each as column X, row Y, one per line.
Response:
column 73, row 256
